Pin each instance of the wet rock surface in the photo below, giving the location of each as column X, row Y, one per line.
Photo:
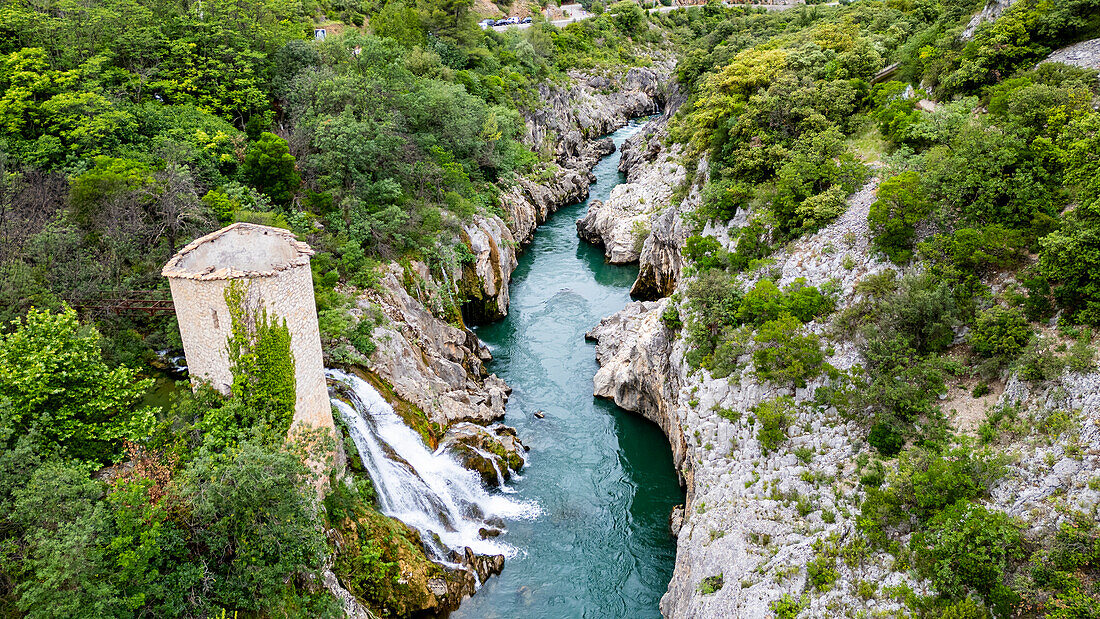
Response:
column 494, row 452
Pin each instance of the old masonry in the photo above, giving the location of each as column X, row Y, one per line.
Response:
column 274, row 265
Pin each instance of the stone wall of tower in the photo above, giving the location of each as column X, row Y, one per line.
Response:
column 205, row 326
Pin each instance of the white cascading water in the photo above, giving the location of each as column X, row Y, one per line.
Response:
column 430, row 492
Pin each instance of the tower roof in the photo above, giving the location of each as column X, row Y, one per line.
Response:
column 238, row 250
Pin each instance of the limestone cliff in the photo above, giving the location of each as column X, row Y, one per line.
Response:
column 568, row 128
column 756, row 518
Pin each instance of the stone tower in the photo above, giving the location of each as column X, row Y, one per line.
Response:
column 275, row 267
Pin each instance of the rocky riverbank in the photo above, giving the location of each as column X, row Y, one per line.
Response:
column 754, row 518
column 427, row 363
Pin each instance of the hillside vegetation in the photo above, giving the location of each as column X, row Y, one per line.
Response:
column 986, row 208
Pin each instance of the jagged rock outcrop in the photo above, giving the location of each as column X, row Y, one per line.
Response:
column 622, row 222
column 633, row 348
column 528, row 203
column 992, row 10
column 494, row 452
column 572, row 118
column 431, row 364
column 639, row 221
column 483, row 282
column 593, row 106
column 1085, row 54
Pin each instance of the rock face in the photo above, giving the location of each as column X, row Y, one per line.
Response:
column 431, row 364
column 593, row 106
column 633, row 349
column 641, row 221
column 1085, row 54
column 494, row 452
column 753, row 517
column 567, row 128
column 624, row 221
column 740, row 520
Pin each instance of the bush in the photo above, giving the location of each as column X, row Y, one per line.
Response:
column 787, row 607
column 1000, row 332
column 893, row 217
column 783, row 355
column 774, row 416
column 967, row 548
column 59, row 389
column 704, row 251
column 886, row 438
column 269, row 167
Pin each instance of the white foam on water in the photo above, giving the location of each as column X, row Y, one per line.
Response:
column 431, row 492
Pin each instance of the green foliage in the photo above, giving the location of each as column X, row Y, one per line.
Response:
column 895, row 214
column 261, row 362
column 256, row 504
column 671, row 317
column 783, row 355
column 711, row 584
column 1000, row 332
column 1071, row 256
column 923, row 484
column 787, row 607
column 269, row 167
column 821, row 570
column 886, row 438
column 967, row 548
column 704, row 251
column 773, row 416
column 60, row 391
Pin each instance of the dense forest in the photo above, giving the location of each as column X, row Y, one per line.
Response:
column 131, row 128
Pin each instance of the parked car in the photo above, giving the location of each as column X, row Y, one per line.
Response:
column 485, row 23
column 525, row 20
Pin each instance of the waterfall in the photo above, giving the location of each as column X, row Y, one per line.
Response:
column 429, row 491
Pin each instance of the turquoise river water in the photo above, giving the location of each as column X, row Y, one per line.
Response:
column 603, row 477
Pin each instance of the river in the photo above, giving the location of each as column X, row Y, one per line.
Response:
column 603, row 477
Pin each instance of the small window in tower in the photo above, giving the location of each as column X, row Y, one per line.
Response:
column 215, row 313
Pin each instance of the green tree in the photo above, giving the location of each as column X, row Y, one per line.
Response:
column 250, row 518
column 895, row 214
column 269, row 167
column 1000, row 332
column 783, row 355
column 60, row 389
column 968, row 548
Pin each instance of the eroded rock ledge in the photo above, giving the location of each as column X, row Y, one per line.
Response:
column 740, row 520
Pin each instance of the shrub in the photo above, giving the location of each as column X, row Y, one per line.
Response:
column 886, row 438
column 787, row 607
column 1000, row 332
column 774, row 417
column 671, row 317
column 783, row 355
column 967, row 548
column 822, row 573
column 59, row 390
column 893, row 217
column 704, row 251
column 711, row 584
column 269, row 167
